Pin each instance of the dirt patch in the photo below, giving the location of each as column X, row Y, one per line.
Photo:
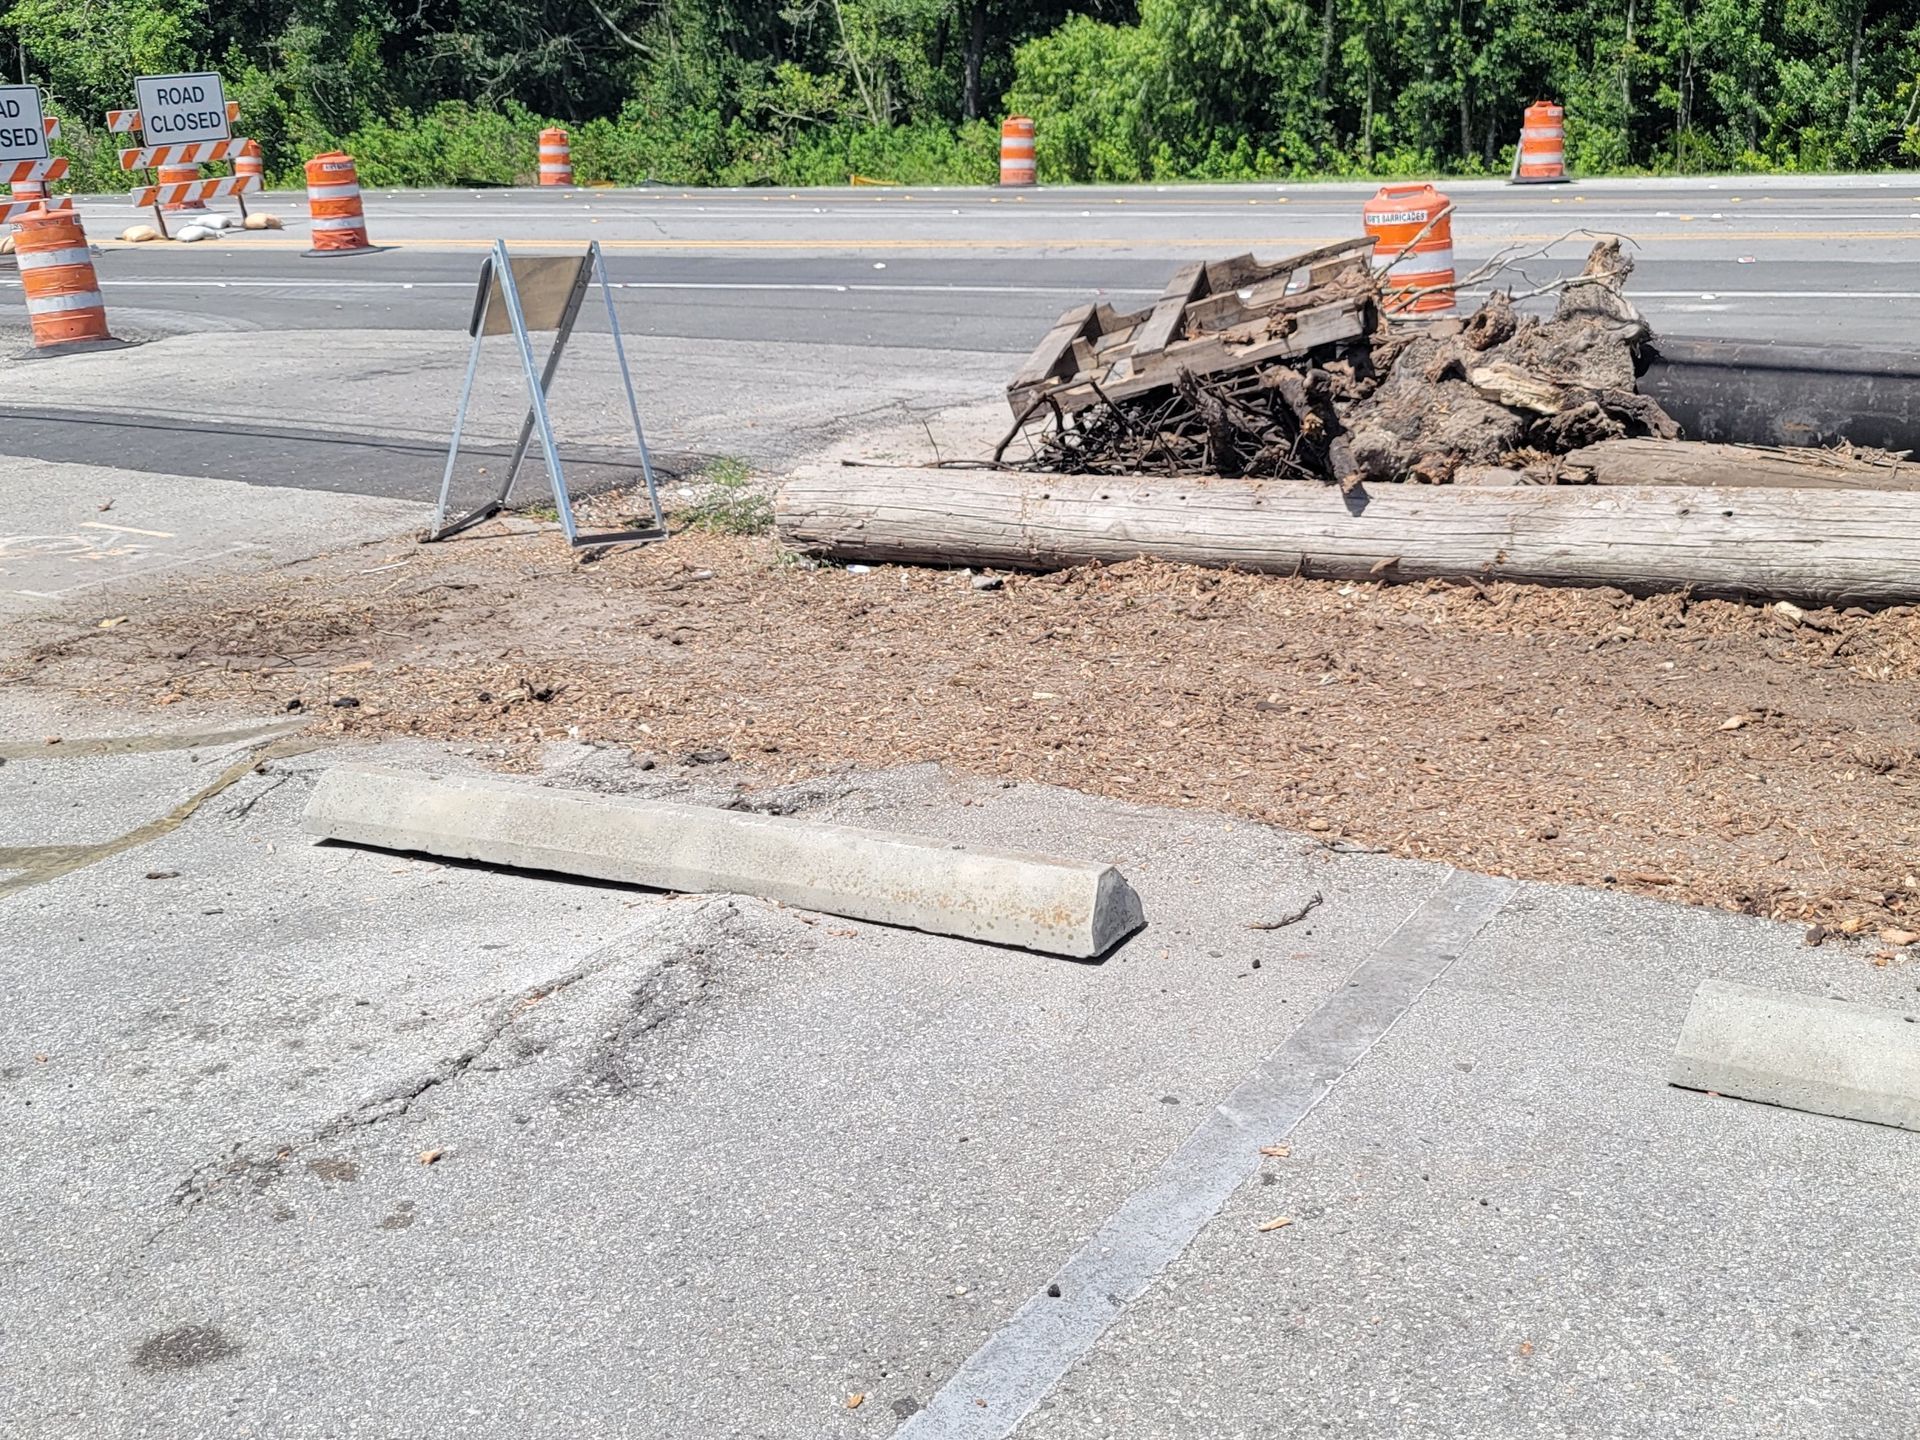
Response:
column 1717, row 753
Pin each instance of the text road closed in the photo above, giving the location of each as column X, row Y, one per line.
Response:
column 22, row 136
column 179, row 109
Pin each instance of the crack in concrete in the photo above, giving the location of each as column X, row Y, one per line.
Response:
column 663, row 996
column 607, row 1075
column 38, row 864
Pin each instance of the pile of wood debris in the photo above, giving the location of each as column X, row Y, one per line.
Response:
column 1279, row 419
column 1295, row 369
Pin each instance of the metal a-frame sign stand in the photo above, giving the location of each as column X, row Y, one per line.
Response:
column 517, row 297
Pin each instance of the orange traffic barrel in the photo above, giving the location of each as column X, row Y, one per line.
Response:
column 1412, row 229
column 1016, row 151
column 249, row 162
column 180, row 175
column 333, row 201
column 64, row 304
column 556, row 159
column 1542, row 156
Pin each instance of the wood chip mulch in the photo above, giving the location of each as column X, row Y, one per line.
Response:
column 1715, row 753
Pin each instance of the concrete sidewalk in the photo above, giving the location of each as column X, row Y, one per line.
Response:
column 98, row 540
column 313, row 1141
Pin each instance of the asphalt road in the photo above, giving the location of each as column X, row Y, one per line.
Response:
column 861, row 292
column 1828, row 260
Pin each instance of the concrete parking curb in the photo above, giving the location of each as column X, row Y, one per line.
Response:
column 1061, row 907
column 1805, row 1052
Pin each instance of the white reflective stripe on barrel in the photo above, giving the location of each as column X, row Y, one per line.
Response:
column 42, row 259
column 53, row 304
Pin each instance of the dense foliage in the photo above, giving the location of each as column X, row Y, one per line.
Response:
column 814, row 91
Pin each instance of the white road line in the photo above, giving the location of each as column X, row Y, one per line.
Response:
column 856, row 287
column 185, row 282
column 863, row 286
column 176, row 282
column 823, row 286
column 989, row 1395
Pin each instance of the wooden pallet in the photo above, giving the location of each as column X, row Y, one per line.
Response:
column 1223, row 315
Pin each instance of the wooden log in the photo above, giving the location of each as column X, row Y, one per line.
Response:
column 1686, row 462
column 1493, row 475
column 1814, row 547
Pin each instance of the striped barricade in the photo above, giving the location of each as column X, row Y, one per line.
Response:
column 125, row 122
column 171, row 167
column 200, row 152
column 12, row 210
column 175, row 176
column 29, row 188
column 33, row 172
column 193, row 192
column 178, row 165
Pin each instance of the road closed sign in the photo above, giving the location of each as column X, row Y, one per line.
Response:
column 178, row 109
column 22, row 135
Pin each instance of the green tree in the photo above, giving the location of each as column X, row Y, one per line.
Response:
column 88, row 54
column 1092, row 90
column 794, row 91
